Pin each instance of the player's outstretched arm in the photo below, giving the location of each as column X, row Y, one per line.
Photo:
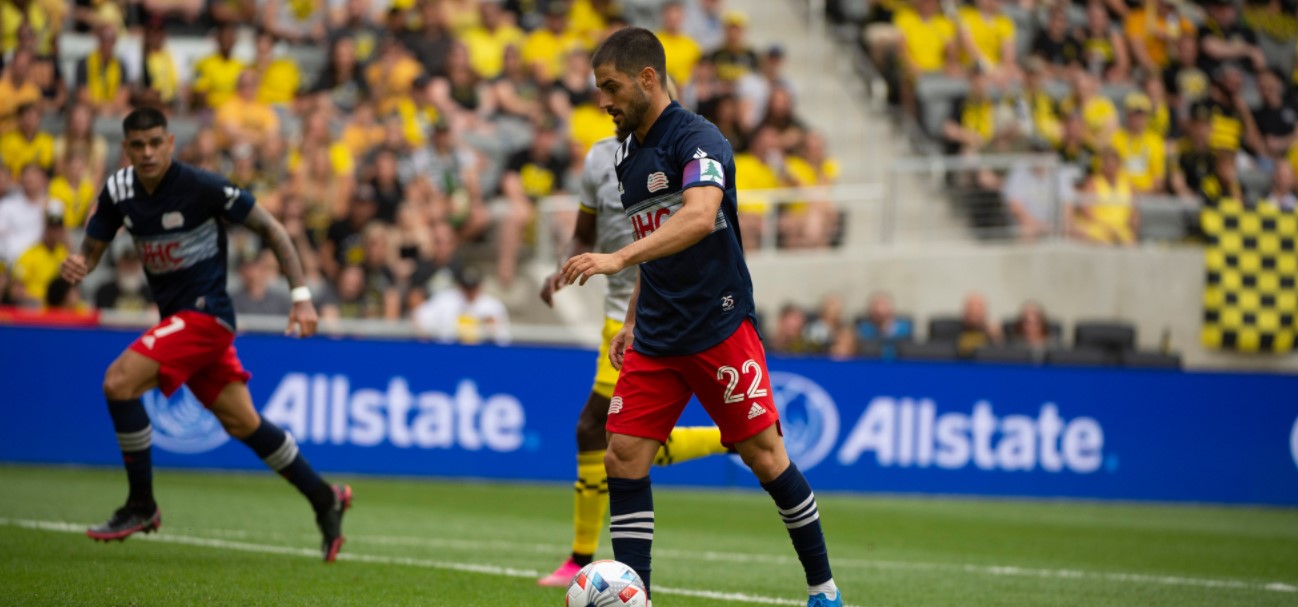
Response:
column 302, row 316
column 583, row 241
column 78, row 265
column 693, row 222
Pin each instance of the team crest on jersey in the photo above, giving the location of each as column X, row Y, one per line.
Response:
column 172, row 220
column 657, row 181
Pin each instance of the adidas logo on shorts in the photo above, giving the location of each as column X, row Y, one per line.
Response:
column 756, row 411
column 615, row 405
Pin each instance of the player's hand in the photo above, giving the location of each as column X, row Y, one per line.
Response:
column 302, row 319
column 74, row 268
column 617, row 347
column 583, row 266
column 553, row 283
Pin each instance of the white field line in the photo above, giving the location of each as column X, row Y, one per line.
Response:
column 167, row 538
column 772, row 559
column 710, row 556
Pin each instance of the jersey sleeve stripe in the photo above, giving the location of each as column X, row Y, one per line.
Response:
column 129, row 182
column 112, row 187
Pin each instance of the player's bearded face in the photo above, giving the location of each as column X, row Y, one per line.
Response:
column 623, row 98
column 149, row 151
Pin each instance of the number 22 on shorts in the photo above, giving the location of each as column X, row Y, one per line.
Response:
column 731, row 375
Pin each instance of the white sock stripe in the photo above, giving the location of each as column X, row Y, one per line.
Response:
column 794, row 519
column 630, row 535
column 795, row 509
column 136, row 441
column 800, row 512
column 649, row 514
column 804, row 522
column 632, row 526
column 283, row 456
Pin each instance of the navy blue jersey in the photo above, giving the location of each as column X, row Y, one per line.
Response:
column 696, row 298
column 179, row 232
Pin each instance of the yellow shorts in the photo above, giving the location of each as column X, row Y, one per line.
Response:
column 605, row 374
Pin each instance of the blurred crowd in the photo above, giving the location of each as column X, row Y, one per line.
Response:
column 829, row 330
column 405, row 144
column 1139, row 100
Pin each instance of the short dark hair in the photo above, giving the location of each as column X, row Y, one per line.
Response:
column 632, row 49
column 143, row 119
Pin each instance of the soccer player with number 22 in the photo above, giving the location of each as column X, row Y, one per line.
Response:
column 689, row 330
column 176, row 215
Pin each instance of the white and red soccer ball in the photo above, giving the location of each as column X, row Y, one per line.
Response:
column 606, row 584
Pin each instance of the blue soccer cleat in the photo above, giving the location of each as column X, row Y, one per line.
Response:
column 822, row 600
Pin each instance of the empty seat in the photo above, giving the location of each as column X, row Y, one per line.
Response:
column 946, row 329
column 1114, row 336
column 1163, row 219
column 1005, row 354
column 927, row 351
column 1054, row 329
column 1080, row 357
column 870, row 349
column 1150, row 360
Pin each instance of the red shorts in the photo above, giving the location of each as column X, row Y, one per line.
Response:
column 193, row 349
column 729, row 379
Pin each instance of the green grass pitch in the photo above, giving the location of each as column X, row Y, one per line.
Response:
column 249, row 539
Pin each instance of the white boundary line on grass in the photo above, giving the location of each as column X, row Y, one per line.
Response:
column 167, row 538
column 710, row 556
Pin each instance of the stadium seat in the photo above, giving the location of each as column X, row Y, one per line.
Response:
column 1005, row 354
column 1113, row 336
column 870, row 349
column 930, row 351
column 1150, row 360
column 945, row 328
column 1163, row 219
column 1080, row 357
column 1054, row 329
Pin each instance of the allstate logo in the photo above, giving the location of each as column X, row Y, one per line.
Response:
column 181, row 424
column 808, row 417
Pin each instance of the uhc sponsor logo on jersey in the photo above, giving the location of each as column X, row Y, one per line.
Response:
column 176, row 251
column 649, row 215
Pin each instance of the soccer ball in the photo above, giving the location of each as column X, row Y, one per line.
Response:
column 606, row 584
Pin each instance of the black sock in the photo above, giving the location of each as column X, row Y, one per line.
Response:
column 631, row 523
column 280, row 453
column 582, row 559
column 135, row 437
column 797, row 506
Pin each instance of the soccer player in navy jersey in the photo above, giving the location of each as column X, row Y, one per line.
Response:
column 177, row 215
column 690, row 329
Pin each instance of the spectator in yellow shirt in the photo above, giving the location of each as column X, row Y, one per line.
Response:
column 487, row 41
column 298, row 21
column 988, row 37
column 101, row 75
column 279, row 75
column 928, row 39
column 1141, row 150
column 548, row 45
column 243, row 119
column 216, row 76
column 1099, row 113
column 39, row 264
column 79, row 137
column 160, row 81
column 391, row 75
column 1109, row 214
column 682, row 51
column 735, row 59
column 37, row 15
column 1152, row 29
column 16, row 89
column 27, row 144
column 74, row 189
column 760, row 167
